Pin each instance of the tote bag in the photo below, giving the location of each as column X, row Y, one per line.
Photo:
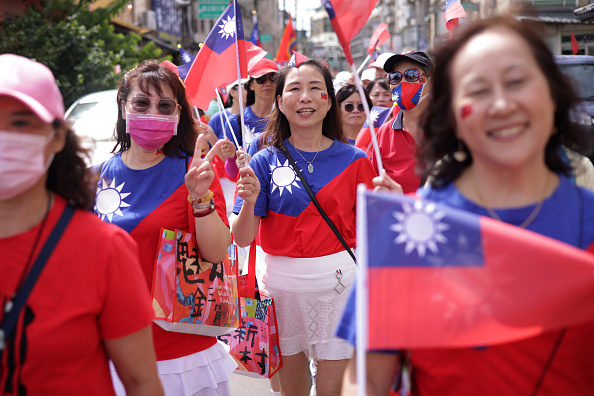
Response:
column 191, row 295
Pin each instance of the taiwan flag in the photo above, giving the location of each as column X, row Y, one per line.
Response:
column 216, row 62
column 287, row 44
column 453, row 11
column 255, row 37
column 348, row 18
column 378, row 116
column 379, row 37
column 443, row 277
column 410, row 90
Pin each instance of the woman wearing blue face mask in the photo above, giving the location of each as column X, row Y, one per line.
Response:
column 76, row 317
column 409, row 75
column 147, row 185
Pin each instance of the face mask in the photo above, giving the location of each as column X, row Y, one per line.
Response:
column 408, row 95
column 21, row 162
column 151, row 131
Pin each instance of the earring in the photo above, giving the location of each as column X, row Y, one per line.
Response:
column 460, row 155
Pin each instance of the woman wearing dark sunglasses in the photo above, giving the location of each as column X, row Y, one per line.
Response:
column 409, row 77
column 148, row 185
column 351, row 110
column 258, row 106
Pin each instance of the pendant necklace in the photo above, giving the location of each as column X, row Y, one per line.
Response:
column 310, row 167
column 494, row 215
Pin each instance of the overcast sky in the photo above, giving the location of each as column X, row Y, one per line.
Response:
column 305, row 10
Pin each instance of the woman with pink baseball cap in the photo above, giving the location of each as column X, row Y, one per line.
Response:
column 68, row 280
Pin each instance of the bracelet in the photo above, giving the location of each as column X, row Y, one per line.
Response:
column 209, row 209
column 204, row 199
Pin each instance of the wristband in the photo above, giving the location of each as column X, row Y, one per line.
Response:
column 209, row 209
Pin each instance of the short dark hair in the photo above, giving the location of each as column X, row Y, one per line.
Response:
column 149, row 74
column 343, row 93
column 438, row 120
column 68, row 175
column 381, row 81
column 278, row 128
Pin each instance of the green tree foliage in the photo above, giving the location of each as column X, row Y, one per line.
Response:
column 78, row 43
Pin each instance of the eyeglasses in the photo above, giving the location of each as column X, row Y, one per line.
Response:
column 262, row 79
column 349, row 107
column 142, row 104
column 410, row 75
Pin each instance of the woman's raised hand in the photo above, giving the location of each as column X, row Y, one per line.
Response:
column 200, row 175
column 228, row 148
column 243, row 158
column 248, row 185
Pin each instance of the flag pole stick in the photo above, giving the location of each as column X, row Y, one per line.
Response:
column 228, row 123
column 239, row 77
column 221, row 110
column 360, row 69
column 378, row 157
column 362, row 291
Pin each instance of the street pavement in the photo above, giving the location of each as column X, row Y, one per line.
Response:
column 242, row 385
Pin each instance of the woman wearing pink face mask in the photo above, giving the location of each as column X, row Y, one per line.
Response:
column 148, row 185
column 75, row 318
column 409, row 76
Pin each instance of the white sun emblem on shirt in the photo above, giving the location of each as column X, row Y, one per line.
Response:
column 249, row 134
column 419, row 227
column 283, row 176
column 110, row 199
column 227, row 28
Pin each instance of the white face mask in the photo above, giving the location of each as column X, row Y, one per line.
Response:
column 21, row 162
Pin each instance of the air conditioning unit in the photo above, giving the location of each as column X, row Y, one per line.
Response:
column 149, row 20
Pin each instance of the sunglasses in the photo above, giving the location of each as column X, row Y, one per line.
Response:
column 142, row 104
column 262, row 80
column 410, row 75
column 349, row 107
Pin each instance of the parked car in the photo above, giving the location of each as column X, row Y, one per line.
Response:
column 580, row 69
column 94, row 118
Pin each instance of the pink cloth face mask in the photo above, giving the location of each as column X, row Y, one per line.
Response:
column 21, row 162
column 151, row 131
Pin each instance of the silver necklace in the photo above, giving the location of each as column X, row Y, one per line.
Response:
column 310, row 167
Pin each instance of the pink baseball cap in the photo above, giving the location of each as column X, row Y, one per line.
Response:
column 33, row 84
column 263, row 67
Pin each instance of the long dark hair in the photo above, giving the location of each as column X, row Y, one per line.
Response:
column 438, row 121
column 149, row 74
column 69, row 175
column 278, row 128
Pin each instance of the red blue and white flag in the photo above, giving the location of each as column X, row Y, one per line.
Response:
column 378, row 116
column 255, row 37
column 287, row 45
column 216, row 62
column 443, row 277
column 379, row 37
column 407, row 95
column 348, row 18
column 186, row 57
column 453, row 12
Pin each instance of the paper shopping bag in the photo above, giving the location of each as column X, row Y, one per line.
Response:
column 255, row 345
column 191, row 295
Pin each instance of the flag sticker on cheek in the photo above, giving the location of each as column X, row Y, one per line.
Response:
column 465, row 111
column 324, row 95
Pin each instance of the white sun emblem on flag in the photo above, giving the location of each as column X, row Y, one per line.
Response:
column 227, row 28
column 419, row 227
column 283, row 176
column 373, row 116
column 395, row 97
column 110, row 200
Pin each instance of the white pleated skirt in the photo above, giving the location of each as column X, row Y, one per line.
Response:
column 204, row 373
column 307, row 303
